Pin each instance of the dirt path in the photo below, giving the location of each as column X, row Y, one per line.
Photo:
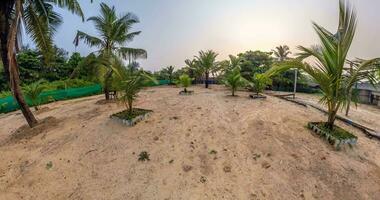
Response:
column 205, row 146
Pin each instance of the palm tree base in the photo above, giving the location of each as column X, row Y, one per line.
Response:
column 337, row 137
column 188, row 92
column 131, row 118
column 257, row 96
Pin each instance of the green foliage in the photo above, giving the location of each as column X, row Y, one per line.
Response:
column 144, row 156
column 33, row 92
column 131, row 115
column 253, row 62
column 331, row 56
column 115, row 33
column 184, row 81
column 259, row 82
column 234, row 80
column 130, row 84
column 4, row 94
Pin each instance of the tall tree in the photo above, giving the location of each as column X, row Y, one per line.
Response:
column 281, row 52
column 40, row 23
column 206, row 63
column 114, row 34
column 330, row 58
column 253, row 62
column 169, row 71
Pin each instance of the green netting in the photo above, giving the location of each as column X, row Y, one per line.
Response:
column 8, row 104
column 160, row 82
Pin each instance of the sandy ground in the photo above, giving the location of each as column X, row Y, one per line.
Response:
column 205, row 146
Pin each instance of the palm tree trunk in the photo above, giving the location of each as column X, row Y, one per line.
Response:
column 333, row 110
column 107, row 84
column 5, row 11
column 349, row 102
column 206, row 79
column 13, row 69
column 233, row 92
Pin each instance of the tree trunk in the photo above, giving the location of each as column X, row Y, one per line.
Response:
column 13, row 69
column 5, row 11
column 107, row 83
column 331, row 119
column 206, row 78
column 349, row 102
column 233, row 92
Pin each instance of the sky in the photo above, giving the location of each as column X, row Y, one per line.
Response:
column 175, row 30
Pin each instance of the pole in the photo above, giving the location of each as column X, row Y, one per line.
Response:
column 295, row 83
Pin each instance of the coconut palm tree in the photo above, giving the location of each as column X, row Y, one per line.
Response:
column 282, row 52
column 259, row 82
column 185, row 81
column 206, row 63
column 130, row 84
column 330, row 57
column 368, row 73
column 193, row 69
column 234, row 80
column 114, row 34
column 40, row 22
column 169, row 71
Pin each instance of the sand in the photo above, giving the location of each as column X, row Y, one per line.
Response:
column 205, row 146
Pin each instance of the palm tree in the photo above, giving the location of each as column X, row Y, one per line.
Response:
column 169, row 71
column 330, row 58
column 368, row 73
column 259, row 82
column 33, row 92
column 193, row 69
column 185, row 81
column 206, row 63
column 130, row 84
column 234, row 80
column 282, row 52
column 40, row 23
column 114, row 33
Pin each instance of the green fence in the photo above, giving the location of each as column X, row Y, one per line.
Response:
column 9, row 104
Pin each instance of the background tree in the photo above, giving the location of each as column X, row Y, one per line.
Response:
column 114, row 34
column 40, row 23
column 330, row 58
column 206, row 64
column 193, row 69
column 170, row 72
column 282, row 52
column 253, row 62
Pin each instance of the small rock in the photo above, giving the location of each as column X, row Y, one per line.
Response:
column 156, row 138
column 227, row 169
column 203, row 179
column 265, row 165
column 187, row 168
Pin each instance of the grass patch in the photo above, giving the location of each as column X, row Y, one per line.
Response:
column 337, row 132
column 129, row 116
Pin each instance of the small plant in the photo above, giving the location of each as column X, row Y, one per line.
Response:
column 49, row 165
column 130, row 85
column 213, row 152
column 33, row 92
column 234, row 80
column 184, row 81
column 144, row 156
column 260, row 82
